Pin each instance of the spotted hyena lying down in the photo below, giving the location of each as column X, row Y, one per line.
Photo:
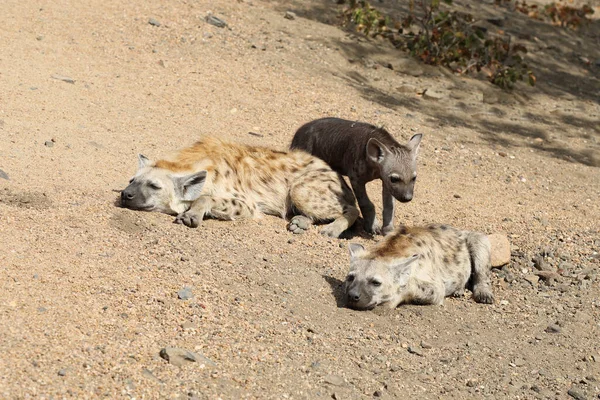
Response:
column 228, row 181
column 419, row 265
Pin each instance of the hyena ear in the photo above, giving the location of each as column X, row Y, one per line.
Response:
column 190, row 186
column 143, row 161
column 402, row 269
column 376, row 151
column 355, row 250
column 414, row 143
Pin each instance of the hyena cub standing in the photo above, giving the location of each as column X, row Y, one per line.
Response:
column 419, row 265
column 227, row 181
column 363, row 153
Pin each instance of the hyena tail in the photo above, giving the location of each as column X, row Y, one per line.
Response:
column 480, row 252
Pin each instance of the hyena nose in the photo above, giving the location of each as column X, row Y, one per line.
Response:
column 354, row 296
column 405, row 198
column 125, row 195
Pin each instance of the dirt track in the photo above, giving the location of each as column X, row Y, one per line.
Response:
column 88, row 291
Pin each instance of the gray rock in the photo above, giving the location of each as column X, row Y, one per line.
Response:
column 533, row 279
column 153, row 22
column 185, row 293
column 540, row 264
column 63, row 78
column 408, row 67
column 415, row 350
column 4, row 175
column 425, row 345
column 435, row 94
column 290, row 15
column 553, row 328
column 407, row 89
column 180, row 357
column 334, row 380
column 518, row 362
column 548, row 276
column 49, row 143
column 500, row 249
column 62, row 372
column 186, row 326
column 218, row 22
column 577, row 395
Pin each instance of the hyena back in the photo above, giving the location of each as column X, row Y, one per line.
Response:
column 419, row 265
column 364, row 152
column 228, row 181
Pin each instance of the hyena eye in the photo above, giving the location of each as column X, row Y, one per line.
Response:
column 394, row 179
column 154, row 186
column 375, row 282
column 350, row 278
column 414, row 178
column 131, row 180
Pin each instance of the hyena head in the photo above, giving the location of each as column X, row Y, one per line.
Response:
column 371, row 282
column 156, row 189
column 397, row 166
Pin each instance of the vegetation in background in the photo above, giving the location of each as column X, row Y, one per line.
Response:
column 450, row 38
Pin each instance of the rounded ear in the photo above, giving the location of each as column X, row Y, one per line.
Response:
column 414, row 142
column 143, row 161
column 190, row 187
column 402, row 269
column 355, row 250
column 376, row 151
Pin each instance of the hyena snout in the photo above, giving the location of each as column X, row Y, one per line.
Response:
column 353, row 296
column 405, row 197
column 127, row 195
column 132, row 199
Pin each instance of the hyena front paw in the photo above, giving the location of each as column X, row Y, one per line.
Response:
column 372, row 227
column 189, row 219
column 299, row 224
column 483, row 296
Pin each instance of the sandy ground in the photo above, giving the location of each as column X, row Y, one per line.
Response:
column 88, row 291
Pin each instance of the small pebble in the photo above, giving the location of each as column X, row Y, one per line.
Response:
column 153, row 22
column 219, row 23
column 553, row 328
column 185, row 293
column 415, row 350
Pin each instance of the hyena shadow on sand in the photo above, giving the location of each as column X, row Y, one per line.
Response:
column 337, row 290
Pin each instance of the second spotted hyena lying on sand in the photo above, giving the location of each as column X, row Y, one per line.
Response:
column 228, row 181
column 419, row 265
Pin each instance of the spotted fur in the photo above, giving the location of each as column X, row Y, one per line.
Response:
column 227, row 181
column 419, row 265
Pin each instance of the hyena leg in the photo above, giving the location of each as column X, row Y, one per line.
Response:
column 480, row 252
column 226, row 209
column 428, row 292
column 324, row 196
column 371, row 224
column 388, row 212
